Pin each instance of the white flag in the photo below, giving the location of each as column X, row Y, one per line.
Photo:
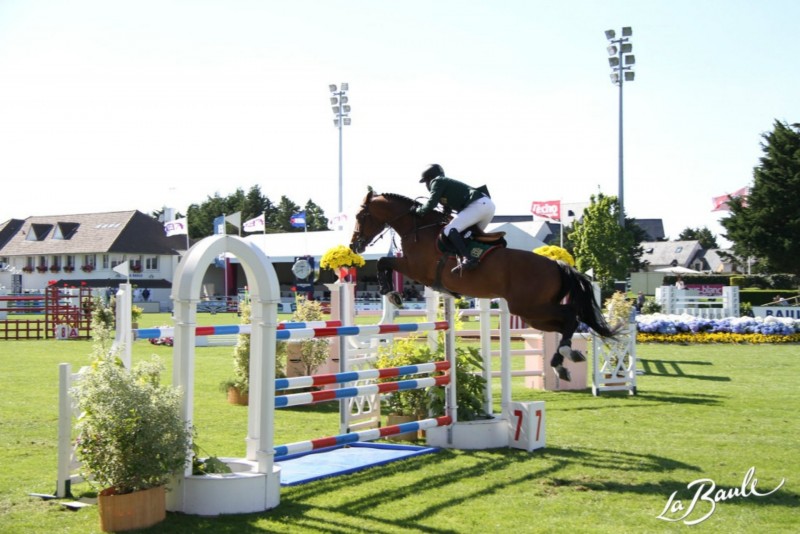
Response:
column 235, row 219
column 177, row 227
column 337, row 220
column 123, row 268
column 257, row 224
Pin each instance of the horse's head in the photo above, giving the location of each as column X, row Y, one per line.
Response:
column 367, row 226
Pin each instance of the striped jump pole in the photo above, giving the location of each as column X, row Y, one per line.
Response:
column 218, row 330
column 364, row 435
column 365, row 374
column 296, row 399
column 309, row 333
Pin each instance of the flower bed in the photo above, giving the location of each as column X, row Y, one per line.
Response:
column 659, row 328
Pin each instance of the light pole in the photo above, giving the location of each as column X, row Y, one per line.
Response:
column 621, row 61
column 341, row 112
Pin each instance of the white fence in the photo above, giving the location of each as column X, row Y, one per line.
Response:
column 674, row 301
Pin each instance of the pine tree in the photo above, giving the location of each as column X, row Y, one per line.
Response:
column 766, row 224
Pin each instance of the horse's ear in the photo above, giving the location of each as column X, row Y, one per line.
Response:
column 370, row 190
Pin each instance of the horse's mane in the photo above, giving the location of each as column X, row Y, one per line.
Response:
column 439, row 216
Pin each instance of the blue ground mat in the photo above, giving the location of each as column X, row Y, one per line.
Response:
column 342, row 460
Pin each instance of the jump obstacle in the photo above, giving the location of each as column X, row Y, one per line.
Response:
column 255, row 484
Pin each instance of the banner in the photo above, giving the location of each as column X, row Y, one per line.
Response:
column 219, row 225
column 721, row 202
column 258, row 224
column 549, row 209
column 298, row 220
column 177, row 227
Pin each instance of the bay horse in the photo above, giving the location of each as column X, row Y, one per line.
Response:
column 533, row 285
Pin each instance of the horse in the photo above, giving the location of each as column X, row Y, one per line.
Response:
column 548, row 295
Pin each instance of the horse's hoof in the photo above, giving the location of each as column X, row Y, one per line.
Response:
column 563, row 373
column 395, row 298
column 576, row 356
column 556, row 360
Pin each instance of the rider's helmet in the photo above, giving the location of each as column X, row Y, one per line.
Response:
column 434, row 171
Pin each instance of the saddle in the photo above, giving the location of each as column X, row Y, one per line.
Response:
column 479, row 243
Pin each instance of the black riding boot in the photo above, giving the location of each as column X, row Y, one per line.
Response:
column 467, row 262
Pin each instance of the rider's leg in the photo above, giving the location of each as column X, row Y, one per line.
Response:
column 467, row 261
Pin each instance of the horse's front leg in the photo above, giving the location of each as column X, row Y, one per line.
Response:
column 386, row 266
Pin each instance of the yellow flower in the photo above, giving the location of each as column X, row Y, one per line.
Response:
column 341, row 256
column 555, row 253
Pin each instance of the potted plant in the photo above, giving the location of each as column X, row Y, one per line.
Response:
column 341, row 259
column 27, row 269
column 87, row 268
column 131, row 436
column 309, row 354
column 136, row 314
column 238, row 388
column 409, row 405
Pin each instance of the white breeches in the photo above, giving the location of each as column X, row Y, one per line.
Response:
column 479, row 213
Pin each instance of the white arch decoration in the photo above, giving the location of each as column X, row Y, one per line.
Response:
column 255, row 484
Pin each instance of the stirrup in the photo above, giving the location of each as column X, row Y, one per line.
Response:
column 465, row 264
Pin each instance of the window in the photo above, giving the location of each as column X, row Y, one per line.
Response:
column 90, row 259
column 56, row 262
column 69, row 261
column 105, row 261
column 151, row 263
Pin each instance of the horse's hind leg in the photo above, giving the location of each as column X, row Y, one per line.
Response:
column 569, row 324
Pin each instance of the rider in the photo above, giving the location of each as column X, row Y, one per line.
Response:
column 473, row 207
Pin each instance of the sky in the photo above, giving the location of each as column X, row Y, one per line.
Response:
column 111, row 105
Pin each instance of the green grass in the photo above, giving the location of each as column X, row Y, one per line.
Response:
column 610, row 464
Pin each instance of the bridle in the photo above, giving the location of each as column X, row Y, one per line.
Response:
column 360, row 241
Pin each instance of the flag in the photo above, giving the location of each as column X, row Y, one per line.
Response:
column 298, row 220
column 258, row 224
column 177, row 227
column 549, row 209
column 123, row 268
column 235, row 219
column 219, row 225
column 337, row 221
column 721, row 202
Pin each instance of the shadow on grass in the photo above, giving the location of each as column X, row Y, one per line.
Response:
column 545, row 472
column 674, row 368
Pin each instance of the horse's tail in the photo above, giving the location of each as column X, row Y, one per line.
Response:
column 581, row 297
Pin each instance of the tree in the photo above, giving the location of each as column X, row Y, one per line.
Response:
column 703, row 235
column 766, row 224
column 600, row 244
column 281, row 219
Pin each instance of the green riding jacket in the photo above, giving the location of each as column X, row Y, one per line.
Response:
column 451, row 194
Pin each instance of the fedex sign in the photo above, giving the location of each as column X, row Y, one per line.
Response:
column 550, row 209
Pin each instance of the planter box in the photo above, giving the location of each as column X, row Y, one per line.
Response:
column 137, row 510
column 476, row 435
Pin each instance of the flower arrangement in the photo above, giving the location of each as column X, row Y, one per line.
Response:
column 660, row 328
column 87, row 268
column 136, row 268
column 27, row 269
column 41, row 268
column 68, row 268
column 341, row 256
column 555, row 253
column 54, row 268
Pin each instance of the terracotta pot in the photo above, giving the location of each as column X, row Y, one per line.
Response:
column 235, row 397
column 140, row 509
